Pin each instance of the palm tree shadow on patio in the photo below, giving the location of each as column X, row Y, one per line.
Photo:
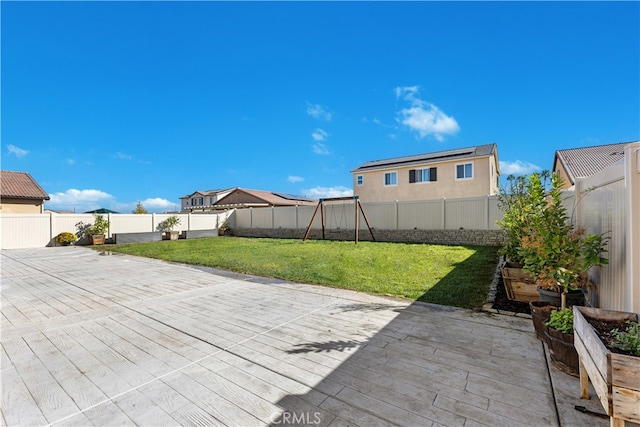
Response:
column 324, row 347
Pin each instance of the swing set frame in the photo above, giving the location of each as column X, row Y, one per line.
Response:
column 321, row 207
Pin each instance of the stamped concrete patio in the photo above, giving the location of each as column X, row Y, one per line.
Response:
column 92, row 338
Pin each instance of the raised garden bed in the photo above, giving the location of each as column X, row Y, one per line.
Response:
column 151, row 236
column 615, row 377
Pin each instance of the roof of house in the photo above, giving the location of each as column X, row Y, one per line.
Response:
column 585, row 161
column 206, row 193
column 435, row 157
column 246, row 197
column 20, row 185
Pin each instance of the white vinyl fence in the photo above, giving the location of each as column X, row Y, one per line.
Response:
column 609, row 203
column 474, row 213
column 38, row 230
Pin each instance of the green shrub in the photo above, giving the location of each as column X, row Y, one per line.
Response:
column 100, row 226
column 66, row 237
column 561, row 320
column 628, row 340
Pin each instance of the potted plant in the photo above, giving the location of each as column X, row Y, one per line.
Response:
column 167, row 226
column 555, row 253
column 608, row 347
column 516, row 201
column 560, row 338
column 66, row 238
column 224, row 227
column 98, row 229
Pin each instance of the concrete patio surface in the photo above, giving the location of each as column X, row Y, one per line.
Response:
column 94, row 338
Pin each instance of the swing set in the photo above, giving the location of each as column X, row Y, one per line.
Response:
column 357, row 205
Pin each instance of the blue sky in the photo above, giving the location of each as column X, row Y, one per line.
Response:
column 111, row 103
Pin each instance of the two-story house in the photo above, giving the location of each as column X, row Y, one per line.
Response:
column 463, row 172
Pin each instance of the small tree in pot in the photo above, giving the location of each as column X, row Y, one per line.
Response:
column 167, row 226
column 517, row 201
column 98, row 229
column 557, row 254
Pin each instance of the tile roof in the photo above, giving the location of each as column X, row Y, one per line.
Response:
column 239, row 197
column 20, row 185
column 586, row 161
column 439, row 156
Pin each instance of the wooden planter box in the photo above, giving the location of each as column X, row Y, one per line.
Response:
column 519, row 285
column 96, row 239
column 615, row 377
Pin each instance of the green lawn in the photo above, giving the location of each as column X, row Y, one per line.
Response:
column 449, row 275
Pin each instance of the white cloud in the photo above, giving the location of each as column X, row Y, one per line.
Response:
column 79, row 200
column 321, row 149
column 518, row 168
column 17, row 151
column 157, row 203
column 294, row 179
column 325, row 192
column 318, row 112
column 71, row 162
column 319, row 135
column 409, row 92
column 424, row 117
column 123, row 156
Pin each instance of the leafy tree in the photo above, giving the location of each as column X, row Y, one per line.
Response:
column 139, row 209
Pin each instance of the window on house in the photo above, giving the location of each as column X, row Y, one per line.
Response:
column 197, row 201
column 464, row 171
column 212, row 200
column 391, row 178
column 423, row 175
column 360, row 180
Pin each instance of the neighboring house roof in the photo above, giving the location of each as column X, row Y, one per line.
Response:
column 20, row 185
column 435, row 157
column 206, row 193
column 102, row 211
column 246, row 197
column 586, row 161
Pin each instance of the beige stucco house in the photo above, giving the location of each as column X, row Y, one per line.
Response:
column 20, row 193
column 574, row 163
column 237, row 198
column 463, row 172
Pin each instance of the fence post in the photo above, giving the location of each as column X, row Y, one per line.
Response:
column 51, row 225
column 189, row 221
column 296, row 217
column 397, row 214
column 486, row 212
column 273, row 219
column 251, row 218
column 153, row 221
column 109, row 228
column 444, row 213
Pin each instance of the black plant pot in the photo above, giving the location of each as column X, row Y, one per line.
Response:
column 555, row 298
